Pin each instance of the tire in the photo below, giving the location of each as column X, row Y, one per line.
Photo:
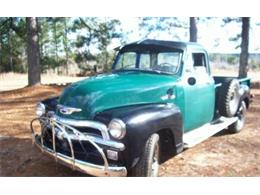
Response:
column 241, row 114
column 228, row 98
column 148, row 165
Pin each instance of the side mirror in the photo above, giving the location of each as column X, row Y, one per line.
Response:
column 191, row 81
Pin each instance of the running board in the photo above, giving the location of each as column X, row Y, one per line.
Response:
column 200, row 134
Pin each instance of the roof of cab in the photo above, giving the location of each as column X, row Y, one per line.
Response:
column 160, row 43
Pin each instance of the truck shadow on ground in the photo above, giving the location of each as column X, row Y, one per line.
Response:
column 224, row 132
column 20, row 158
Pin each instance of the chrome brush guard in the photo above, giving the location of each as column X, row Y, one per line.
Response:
column 65, row 128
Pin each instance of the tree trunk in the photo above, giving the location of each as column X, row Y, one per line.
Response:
column 10, row 46
column 65, row 42
column 193, row 29
column 10, row 54
column 39, row 31
column 55, row 40
column 243, row 61
column 33, row 54
column 1, row 50
column 106, row 61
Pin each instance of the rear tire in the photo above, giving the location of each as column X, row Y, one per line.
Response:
column 239, row 124
column 148, row 165
column 228, row 98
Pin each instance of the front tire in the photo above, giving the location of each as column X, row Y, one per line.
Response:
column 239, row 124
column 148, row 165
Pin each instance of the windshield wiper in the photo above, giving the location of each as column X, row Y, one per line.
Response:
column 156, row 71
column 125, row 69
column 142, row 70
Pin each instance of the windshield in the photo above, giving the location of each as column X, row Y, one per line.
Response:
column 167, row 62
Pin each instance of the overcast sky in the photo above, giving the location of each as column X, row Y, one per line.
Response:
column 211, row 34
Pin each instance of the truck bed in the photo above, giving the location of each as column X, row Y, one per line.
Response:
column 220, row 79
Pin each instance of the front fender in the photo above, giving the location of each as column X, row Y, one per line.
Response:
column 141, row 122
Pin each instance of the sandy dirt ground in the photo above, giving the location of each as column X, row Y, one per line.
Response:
column 10, row 81
column 220, row 155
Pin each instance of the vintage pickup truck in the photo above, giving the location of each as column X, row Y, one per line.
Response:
column 159, row 99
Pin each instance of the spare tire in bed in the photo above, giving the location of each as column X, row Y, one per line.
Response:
column 228, row 98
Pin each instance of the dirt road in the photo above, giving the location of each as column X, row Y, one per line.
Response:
column 220, row 155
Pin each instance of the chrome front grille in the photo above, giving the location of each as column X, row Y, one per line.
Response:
column 69, row 142
column 84, row 124
column 89, row 131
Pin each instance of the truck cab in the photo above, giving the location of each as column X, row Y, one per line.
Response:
column 159, row 99
column 189, row 63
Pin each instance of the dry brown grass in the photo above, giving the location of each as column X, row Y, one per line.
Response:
column 10, row 81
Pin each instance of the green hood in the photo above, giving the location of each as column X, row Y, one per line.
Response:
column 108, row 91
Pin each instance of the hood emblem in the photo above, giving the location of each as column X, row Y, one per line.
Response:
column 67, row 110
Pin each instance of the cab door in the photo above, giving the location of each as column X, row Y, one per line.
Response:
column 198, row 91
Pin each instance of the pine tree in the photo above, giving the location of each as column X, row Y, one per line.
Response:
column 193, row 29
column 33, row 52
column 243, row 62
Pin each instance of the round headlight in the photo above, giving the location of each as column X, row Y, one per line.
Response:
column 40, row 109
column 117, row 128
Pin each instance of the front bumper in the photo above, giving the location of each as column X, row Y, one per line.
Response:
column 70, row 133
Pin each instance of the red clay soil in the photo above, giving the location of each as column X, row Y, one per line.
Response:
column 220, row 155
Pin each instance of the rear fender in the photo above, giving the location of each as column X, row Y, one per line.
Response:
column 245, row 94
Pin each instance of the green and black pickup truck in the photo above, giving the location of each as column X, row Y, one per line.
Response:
column 159, row 99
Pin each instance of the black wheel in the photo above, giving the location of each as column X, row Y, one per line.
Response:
column 148, row 164
column 228, row 98
column 241, row 114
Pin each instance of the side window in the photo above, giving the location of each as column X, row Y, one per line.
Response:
column 199, row 59
column 199, row 62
